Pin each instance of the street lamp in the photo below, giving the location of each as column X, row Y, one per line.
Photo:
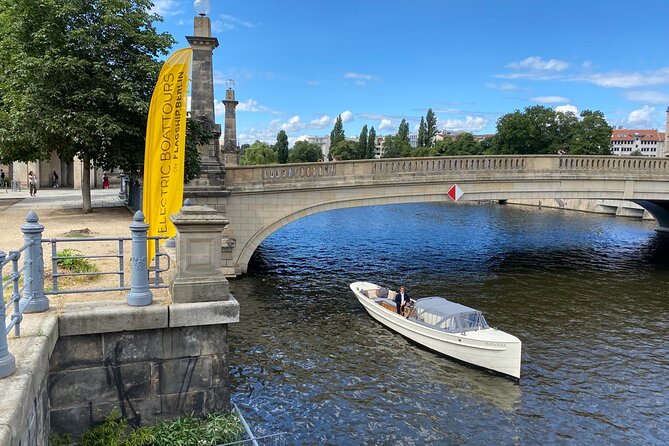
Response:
column 230, row 84
column 202, row 7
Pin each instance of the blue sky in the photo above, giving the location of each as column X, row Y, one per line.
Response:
column 299, row 64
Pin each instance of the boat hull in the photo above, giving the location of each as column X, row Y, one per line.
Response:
column 487, row 348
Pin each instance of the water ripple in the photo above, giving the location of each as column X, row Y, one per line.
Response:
column 586, row 294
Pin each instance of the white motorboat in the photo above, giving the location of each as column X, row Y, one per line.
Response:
column 446, row 327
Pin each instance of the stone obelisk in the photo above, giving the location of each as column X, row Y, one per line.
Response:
column 230, row 147
column 202, row 101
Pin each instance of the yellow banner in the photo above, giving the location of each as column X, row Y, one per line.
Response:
column 166, row 147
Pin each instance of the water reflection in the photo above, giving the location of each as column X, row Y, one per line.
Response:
column 587, row 295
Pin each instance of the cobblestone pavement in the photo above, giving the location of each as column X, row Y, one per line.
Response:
column 58, row 198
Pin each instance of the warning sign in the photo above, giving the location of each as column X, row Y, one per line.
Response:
column 455, row 192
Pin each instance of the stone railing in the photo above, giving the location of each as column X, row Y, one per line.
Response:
column 327, row 172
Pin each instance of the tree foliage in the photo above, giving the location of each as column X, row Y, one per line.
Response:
column 430, row 128
column 305, row 152
column 371, row 144
column 539, row 129
column 362, row 143
column 281, row 147
column 390, row 147
column 421, row 133
column 76, row 76
column 337, row 133
column 257, row 154
column 344, row 150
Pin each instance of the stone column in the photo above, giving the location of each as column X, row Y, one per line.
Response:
column 199, row 276
column 202, row 94
column 230, row 148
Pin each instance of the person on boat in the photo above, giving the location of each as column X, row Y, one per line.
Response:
column 401, row 299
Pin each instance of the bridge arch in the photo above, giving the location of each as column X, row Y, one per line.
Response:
column 263, row 233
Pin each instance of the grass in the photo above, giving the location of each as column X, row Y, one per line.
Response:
column 212, row 430
column 74, row 263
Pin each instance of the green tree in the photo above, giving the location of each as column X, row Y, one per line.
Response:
column 337, row 133
column 371, row 144
column 430, row 128
column 421, row 133
column 533, row 131
column 390, row 148
column 592, row 135
column 362, row 143
column 305, row 152
column 281, row 147
column 257, row 154
column 76, row 76
column 197, row 132
column 401, row 144
column 344, row 150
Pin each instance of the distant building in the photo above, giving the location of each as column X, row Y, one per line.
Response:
column 648, row 142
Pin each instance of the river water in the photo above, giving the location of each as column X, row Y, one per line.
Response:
column 586, row 294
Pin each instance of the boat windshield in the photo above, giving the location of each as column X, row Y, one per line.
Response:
column 440, row 313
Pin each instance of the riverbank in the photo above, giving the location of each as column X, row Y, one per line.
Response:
column 617, row 208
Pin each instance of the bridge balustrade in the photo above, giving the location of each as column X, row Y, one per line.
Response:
column 381, row 168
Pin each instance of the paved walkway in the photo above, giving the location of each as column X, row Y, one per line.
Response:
column 58, row 198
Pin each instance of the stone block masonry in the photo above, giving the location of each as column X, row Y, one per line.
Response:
column 146, row 374
column 78, row 363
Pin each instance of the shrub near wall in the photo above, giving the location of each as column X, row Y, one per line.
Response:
column 213, row 430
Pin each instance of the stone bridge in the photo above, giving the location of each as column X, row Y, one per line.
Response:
column 262, row 199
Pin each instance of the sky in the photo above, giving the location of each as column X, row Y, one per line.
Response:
column 297, row 65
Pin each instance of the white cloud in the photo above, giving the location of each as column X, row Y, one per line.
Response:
column 361, row 76
column 251, row 105
column 568, row 108
column 226, row 22
column 293, row 124
column 641, row 117
column 538, row 64
column 386, row 124
column 469, row 124
column 618, row 79
column 302, row 138
column 648, row 97
column 166, row 8
column 504, row 86
column 322, row 122
column 346, row 116
column 549, row 99
column 313, row 82
column 360, row 79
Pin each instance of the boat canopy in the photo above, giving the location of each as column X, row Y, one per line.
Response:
column 440, row 313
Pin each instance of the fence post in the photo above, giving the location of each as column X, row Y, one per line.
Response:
column 7, row 361
column 139, row 294
column 34, row 275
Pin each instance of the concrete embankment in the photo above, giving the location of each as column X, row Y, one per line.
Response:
column 618, row 208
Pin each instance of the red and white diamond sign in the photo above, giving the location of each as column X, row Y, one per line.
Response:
column 455, row 192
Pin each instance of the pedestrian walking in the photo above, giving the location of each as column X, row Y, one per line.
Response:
column 32, row 183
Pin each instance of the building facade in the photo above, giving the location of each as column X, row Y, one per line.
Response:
column 647, row 142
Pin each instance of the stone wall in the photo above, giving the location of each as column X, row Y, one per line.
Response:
column 150, row 363
column 146, row 375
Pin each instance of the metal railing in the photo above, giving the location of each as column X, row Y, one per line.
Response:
column 154, row 271
column 31, row 297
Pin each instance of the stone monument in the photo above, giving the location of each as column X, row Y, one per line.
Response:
column 202, row 98
column 230, row 147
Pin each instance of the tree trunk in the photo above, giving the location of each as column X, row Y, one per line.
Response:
column 86, row 185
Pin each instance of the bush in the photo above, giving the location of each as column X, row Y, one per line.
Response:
column 75, row 264
column 213, row 430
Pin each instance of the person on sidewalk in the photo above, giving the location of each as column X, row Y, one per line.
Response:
column 105, row 181
column 54, row 179
column 32, row 183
